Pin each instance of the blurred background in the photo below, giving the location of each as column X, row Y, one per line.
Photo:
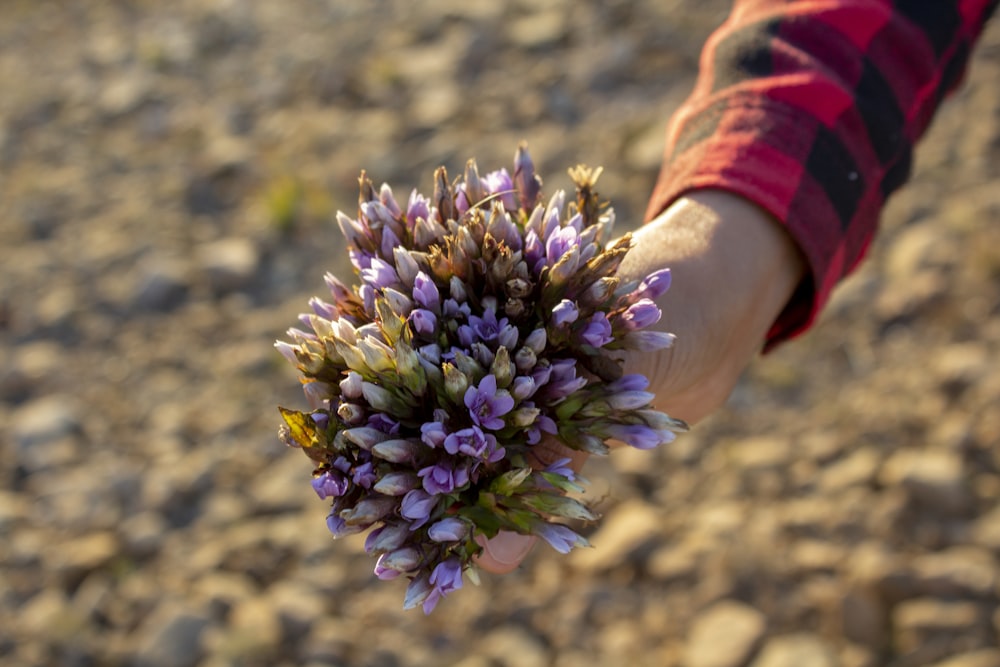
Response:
column 168, row 175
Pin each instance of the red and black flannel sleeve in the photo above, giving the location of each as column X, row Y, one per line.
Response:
column 811, row 109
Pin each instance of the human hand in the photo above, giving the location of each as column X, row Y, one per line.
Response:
column 733, row 268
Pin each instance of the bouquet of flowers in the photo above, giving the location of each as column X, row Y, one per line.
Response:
column 484, row 321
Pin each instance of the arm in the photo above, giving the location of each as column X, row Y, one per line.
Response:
column 811, row 109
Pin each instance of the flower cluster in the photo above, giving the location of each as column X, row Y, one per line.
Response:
column 484, row 320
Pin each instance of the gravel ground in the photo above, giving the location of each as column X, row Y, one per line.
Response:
column 168, row 173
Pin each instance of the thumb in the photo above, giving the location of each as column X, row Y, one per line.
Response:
column 503, row 553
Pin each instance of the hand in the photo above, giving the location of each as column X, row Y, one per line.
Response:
column 733, row 270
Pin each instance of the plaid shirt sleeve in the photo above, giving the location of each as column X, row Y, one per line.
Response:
column 811, row 109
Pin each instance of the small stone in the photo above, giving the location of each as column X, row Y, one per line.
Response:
column 626, row 528
column 229, row 264
column 857, row 468
column 510, row 646
column 538, row 31
column 934, row 480
column 797, row 650
column 760, row 453
column 724, row 635
column 171, row 636
column 957, row 572
column 985, row 530
column 987, row 657
column 43, row 421
column 254, row 631
column 928, row 627
column 163, row 284
column 864, row 619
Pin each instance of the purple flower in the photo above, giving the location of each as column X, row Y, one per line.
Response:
column 443, row 478
column 630, row 382
column 424, row 322
column 473, row 442
column 523, row 387
column 597, row 332
column 449, row 529
column 391, row 565
column 379, row 274
column 639, row 436
column 499, row 183
column 417, row 506
column 339, row 528
column 425, row 292
column 534, row 252
column 560, row 467
column 654, row 285
column 418, row 207
column 386, row 538
column 562, row 380
column 486, row 407
column 640, row 315
column 559, row 537
column 445, row 578
column 543, row 423
column 433, row 434
column 384, row 423
column 330, row 484
column 487, row 329
column 560, row 242
column 528, row 184
column 453, row 310
column 389, row 241
column 565, row 312
column 364, row 475
column 361, row 260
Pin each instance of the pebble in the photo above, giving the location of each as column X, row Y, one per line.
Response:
column 987, row 657
column 959, row 572
column 46, row 432
column 623, row 530
column 796, row 650
column 933, row 479
column 163, row 284
column 724, row 635
column 229, row 264
column 172, row 636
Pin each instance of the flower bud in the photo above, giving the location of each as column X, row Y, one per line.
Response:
column 565, row 312
column 524, row 416
column 350, row 386
column 655, row 284
column 450, row 529
column 351, row 413
column 387, row 538
column 396, row 483
column 629, row 400
column 502, row 368
column 364, row 437
column 523, row 387
column 406, row 265
column 401, row 560
column 455, row 382
column 397, row 451
column 456, row 289
column 647, row 341
column 536, row 340
column 368, row 511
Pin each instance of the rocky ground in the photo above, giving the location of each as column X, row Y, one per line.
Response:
column 167, row 177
